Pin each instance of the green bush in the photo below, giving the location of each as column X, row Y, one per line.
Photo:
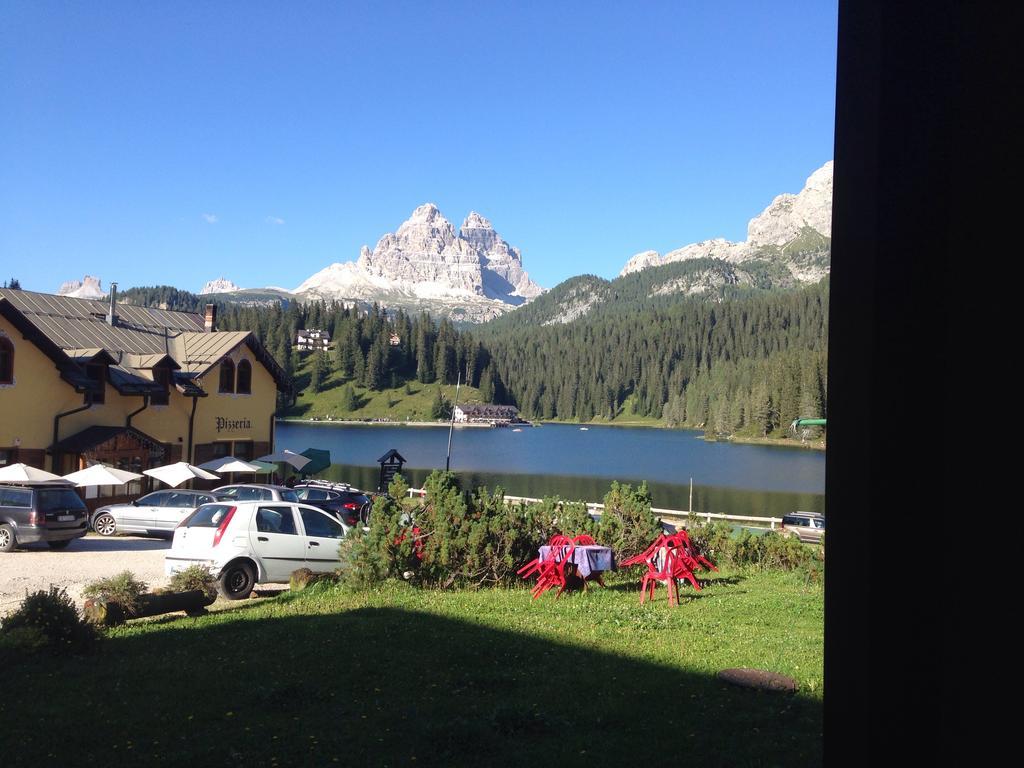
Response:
column 627, row 524
column 194, row 577
column 453, row 538
column 743, row 548
column 47, row 619
column 123, row 589
column 459, row 539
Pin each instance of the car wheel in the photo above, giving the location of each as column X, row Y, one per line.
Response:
column 59, row 544
column 237, row 581
column 7, row 540
column 104, row 525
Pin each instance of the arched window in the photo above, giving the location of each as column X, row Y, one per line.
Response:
column 227, row 376
column 6, row 361
column 244, row 378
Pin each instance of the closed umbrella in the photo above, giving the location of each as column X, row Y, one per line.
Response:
column 23, row 473
column 101, row 474
column 297, row 460
column 176, row 474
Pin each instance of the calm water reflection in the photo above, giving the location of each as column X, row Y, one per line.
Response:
column 563, row 460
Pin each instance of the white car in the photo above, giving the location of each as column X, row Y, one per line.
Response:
column 246, row 543
column 155, row 513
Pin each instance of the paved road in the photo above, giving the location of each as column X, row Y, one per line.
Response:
column 93, row 557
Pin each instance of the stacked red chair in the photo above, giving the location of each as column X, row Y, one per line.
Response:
column 669, row 560
column 584, row 540
column 551, row 572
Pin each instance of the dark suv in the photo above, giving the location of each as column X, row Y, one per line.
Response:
column 350, row 505
column 55, row 514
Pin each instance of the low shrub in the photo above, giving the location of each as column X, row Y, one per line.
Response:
column 744, row 548
column 194, row 577
column 627, row 524
column 47, row 619
column 304, row 577
column 123, row 589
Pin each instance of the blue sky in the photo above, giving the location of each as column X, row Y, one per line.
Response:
column 172, row 143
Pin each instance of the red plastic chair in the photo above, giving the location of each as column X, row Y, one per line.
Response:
column 584, row 539
column 681, row 540
column 669, row 560
column 551, row 572
column 535, row 565
column 669, row 568
column 417, row 541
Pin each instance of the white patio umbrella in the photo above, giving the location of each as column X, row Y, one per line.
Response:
column 297, row 460
column 23, row 473
column 176, row 474
column 101, row 474
column 231, row 464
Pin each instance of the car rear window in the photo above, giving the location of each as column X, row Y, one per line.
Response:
column 208, row 516
column 12, row 497
column 59, row 498
column 289, row 496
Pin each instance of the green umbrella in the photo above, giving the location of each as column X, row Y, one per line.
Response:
column 319, row 460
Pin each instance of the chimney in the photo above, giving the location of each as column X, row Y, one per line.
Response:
column 111, row 317
column 210, row 321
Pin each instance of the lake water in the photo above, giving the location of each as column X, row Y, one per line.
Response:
column 562, row 459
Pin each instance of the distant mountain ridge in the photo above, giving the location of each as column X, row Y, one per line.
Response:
column 794, row 231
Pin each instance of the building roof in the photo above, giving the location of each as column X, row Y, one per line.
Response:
column 74, row 332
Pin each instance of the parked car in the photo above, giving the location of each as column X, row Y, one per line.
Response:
column 155, row 513
column 54, row 513
column 350, row 505
column 254, row 492
column 246, row 543
column 808, row 526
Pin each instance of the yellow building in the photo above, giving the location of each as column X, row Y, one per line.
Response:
column 85, row 381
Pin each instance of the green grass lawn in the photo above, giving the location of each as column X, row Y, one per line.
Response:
column 401, row 676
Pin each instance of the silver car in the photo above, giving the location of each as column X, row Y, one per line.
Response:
column 807, row 526
column 155, row 513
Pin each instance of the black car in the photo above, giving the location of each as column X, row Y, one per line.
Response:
column 350, row 505
column 54, row 513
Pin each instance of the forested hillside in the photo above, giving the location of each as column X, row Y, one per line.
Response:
column 699, row 344
column 749, row 364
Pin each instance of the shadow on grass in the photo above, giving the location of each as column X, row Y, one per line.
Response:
column 382, row 686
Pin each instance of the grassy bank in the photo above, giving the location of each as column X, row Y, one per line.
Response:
column 400, row 676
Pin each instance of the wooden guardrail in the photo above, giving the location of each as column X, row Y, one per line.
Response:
column 680, row 516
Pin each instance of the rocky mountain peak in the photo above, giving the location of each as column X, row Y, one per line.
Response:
column 220, row 285
column 475, row 221
column 88, row 287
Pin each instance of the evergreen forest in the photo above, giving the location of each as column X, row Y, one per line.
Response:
column 736, row 361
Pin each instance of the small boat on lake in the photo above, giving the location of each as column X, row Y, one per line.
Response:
column 584, row 429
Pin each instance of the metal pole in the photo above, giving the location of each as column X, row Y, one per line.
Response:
column 451, row 424
column 691, row 495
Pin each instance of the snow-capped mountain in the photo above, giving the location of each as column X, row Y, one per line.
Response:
column 795, row 231
column 471, row 274
column 88, row 287
column 220, row 285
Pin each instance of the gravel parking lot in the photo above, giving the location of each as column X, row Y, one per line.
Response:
column 87, row 559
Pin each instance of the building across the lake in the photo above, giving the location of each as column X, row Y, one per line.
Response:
column 491, row 414
column 312, row 339
column 84, row 381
